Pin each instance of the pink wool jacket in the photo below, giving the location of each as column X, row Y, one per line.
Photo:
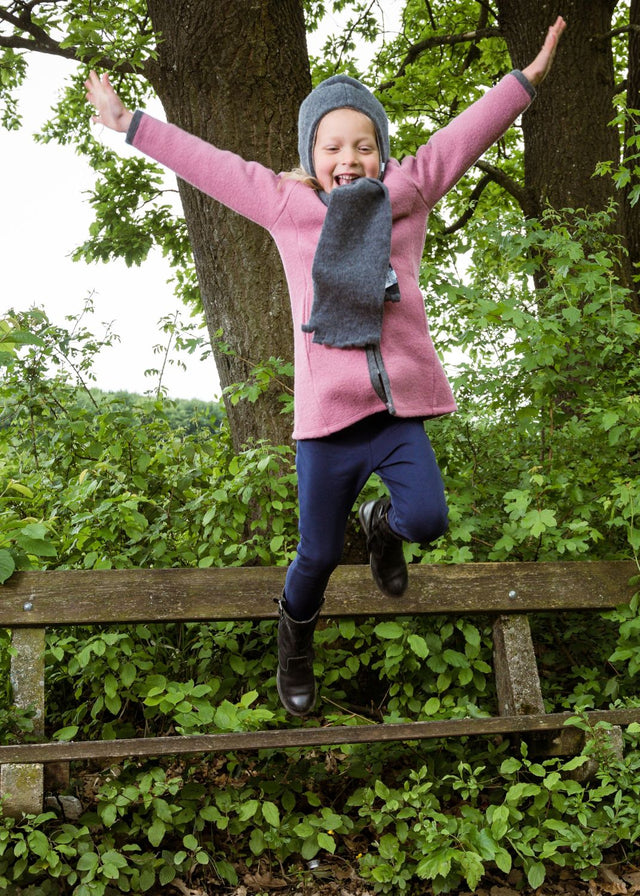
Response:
column 333, row 385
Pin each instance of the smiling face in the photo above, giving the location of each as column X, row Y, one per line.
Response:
column 345, row 149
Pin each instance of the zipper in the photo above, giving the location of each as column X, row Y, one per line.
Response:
column 379, row 377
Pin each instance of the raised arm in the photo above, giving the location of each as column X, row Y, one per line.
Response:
column 110, row 110
column 538, row 70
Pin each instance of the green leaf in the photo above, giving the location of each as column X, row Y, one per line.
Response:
column 88, row 861
column 248, row 809
column 20, row 488
column 108, row 814
column 388, row 630
column 190, row 842
column 156, row 832
column 388, row 846
column 500, row 822
column 166, row 875
column 66, row 734
column 127, row 674
column 310, row 848
column 538, row 521
column 271, row 814
column 536, row 875
column 347, row 628
column 37, row 546
column 432, row 706
column 510, row 765
column 326, row 841
column 38, row 843
column 418, row 645
column 7, row 566
column 257, row 843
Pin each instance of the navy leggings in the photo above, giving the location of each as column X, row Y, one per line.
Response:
column 331, row 474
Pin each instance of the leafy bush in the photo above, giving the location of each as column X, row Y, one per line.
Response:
column 540, row 463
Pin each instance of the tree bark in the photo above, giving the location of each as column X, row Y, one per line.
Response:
column 234, row 73
column 630, row 214
column 567, row 129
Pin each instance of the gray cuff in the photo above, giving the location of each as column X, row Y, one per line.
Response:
column 133, row 127
column 526, row 83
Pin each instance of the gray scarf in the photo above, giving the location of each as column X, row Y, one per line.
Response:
column 351, row 273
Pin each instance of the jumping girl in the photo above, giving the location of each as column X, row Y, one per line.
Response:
column 350, row 230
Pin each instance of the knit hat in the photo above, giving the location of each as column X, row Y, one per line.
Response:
column 339, row 92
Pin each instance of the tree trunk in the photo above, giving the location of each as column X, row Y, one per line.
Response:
column 566, row 130
column 234, row 73
column 630, row 214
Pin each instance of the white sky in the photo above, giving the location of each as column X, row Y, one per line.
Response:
column 46, row 215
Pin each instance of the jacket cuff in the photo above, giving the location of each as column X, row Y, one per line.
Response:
column 526, row 83
column 133, row 127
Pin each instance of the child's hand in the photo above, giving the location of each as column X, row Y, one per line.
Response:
column 538, row 70
column 110, row 110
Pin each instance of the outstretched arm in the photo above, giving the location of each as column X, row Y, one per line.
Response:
column 110, row 110
column 538, row 70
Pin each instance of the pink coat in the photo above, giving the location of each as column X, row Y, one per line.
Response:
column 332, row 385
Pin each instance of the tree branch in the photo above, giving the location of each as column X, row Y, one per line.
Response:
column 510, row 186
column 71, row 53
column 415, row 50
column 615, row 32
column 492, row 175
column 484, row 181
column 42, row 42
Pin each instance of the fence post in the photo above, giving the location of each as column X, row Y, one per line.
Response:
column 21, row 784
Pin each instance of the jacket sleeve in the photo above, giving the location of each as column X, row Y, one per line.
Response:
column 442, row 161
column 248, row 188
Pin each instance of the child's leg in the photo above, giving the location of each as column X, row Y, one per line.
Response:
column 406, row 463
column 417, row 511
column 331, row 474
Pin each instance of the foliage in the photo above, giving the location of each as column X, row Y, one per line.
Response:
column 161, row 496
column 548, row 378
column 93, row 480
column 540, row 463
column 539, row 814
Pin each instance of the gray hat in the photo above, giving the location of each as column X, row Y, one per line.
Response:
column 338, row 92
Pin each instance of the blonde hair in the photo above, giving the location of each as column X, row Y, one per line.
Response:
column 303, row 177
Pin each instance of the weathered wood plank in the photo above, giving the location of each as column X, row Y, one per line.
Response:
column 27, row 673
column 515, row 667
column 22, row 786
column 301, row 737
column 62, row 597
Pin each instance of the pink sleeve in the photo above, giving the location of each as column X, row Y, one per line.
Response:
column 442, row 161
column 248, row 188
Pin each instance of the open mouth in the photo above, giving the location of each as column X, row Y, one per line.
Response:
column 343, row 179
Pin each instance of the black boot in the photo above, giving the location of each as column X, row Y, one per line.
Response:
column 296, row 684
column 386, row 557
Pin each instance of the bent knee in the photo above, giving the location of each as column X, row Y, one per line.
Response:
column 424, row 525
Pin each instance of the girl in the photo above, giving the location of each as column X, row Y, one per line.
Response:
column 350, row 230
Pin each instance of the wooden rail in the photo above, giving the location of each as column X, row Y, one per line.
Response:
column 72, row 597
column 32, row 601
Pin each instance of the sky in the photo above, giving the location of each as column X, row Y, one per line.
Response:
column 46, row 215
